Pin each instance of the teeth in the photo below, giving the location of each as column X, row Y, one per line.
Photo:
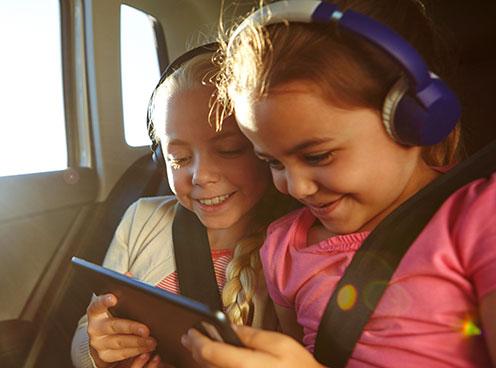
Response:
column 214, row 200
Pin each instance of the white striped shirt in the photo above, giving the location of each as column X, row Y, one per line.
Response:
column 220, row 259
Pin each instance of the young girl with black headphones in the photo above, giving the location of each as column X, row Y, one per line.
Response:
column 215, row 175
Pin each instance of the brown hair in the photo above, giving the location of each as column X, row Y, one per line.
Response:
column 347, row 70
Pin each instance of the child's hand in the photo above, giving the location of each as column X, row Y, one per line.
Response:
column 265, row 349
column 114, row 339
column 143, row 361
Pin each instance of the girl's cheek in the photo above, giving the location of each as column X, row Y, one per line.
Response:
column 178, row 181
column 280, row 182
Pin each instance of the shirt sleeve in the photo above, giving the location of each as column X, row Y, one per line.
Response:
column 475, row 233
column 117, row 259
column 271, row 256
column 80, row 347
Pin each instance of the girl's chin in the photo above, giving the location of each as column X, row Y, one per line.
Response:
column 341, row 227
column 217, row 223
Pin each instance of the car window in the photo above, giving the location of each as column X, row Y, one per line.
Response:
column 32, row 117
column 139, row 71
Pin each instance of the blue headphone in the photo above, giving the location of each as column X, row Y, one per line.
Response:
column 420, row 109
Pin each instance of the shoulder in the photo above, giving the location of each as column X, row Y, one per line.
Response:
column 468, row 213
column 146, row 219
column 285, row 223
column 280, row 235
column 474, row 207
column 474, row 202
column 144, row 238
column 147, row 208
column 470, row 217
column 152, row 204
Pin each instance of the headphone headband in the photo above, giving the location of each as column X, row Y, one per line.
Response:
column 423, row 112
column 169, row 70
column 308, row 11
column 188, row 55
column 381, row 36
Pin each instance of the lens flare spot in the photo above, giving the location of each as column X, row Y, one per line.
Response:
column 470, row 329
column 71, row 176
column 347, row 297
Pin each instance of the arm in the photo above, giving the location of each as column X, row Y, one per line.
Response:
column 488, row 317
column 289, row 324
column 117, row 259
column 263, row 349
column 80, row 353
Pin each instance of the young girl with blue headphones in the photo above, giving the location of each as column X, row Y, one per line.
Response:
column 353, row 124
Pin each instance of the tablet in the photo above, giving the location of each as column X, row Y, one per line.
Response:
column 168, row 315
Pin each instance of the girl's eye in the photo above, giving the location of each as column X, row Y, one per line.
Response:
column 231, row 152
column 177, row 163
column 319, row 159
column 274, row 164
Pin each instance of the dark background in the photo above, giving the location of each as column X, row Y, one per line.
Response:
column 471, row 30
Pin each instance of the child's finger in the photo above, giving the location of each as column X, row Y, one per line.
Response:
column 120, row 347
column 112, row 356
column 155, row 362
column 217, row 354
column 116, row 342
column 271, row 342
column 146, row 361
column 118, row 326
column 101, row 304
column 140, row 361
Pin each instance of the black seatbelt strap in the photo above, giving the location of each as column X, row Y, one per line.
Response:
column 195, row 269
column 340, row 328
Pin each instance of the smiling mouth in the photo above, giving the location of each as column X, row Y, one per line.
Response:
column 323, row 209
column 214, row 200
column 324, row 205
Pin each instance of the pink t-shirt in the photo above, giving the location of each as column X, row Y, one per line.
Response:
column 421, row 320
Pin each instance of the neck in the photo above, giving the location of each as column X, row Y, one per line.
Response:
column 421, row 177
column 228, row 237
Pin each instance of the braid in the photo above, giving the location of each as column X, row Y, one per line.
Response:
column 244, row 271
column 242, row 275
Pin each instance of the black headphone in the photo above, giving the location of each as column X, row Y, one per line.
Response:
column 209, row 48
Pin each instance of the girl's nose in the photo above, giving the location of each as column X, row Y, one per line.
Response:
column 300, row 185
column 204, row 172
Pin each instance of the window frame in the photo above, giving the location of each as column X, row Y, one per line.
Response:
column 34, row 193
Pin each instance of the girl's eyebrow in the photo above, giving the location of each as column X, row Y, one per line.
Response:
column 220, row 136
column 177, row 142
column 223, row 135
column 299, row 147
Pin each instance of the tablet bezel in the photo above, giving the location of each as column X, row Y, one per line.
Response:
column 154, row 309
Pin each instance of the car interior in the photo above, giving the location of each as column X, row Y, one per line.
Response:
column 48, row 217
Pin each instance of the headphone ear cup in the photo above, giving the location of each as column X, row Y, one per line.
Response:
column 391, row 101
column 416, row 124
column 158, row 157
